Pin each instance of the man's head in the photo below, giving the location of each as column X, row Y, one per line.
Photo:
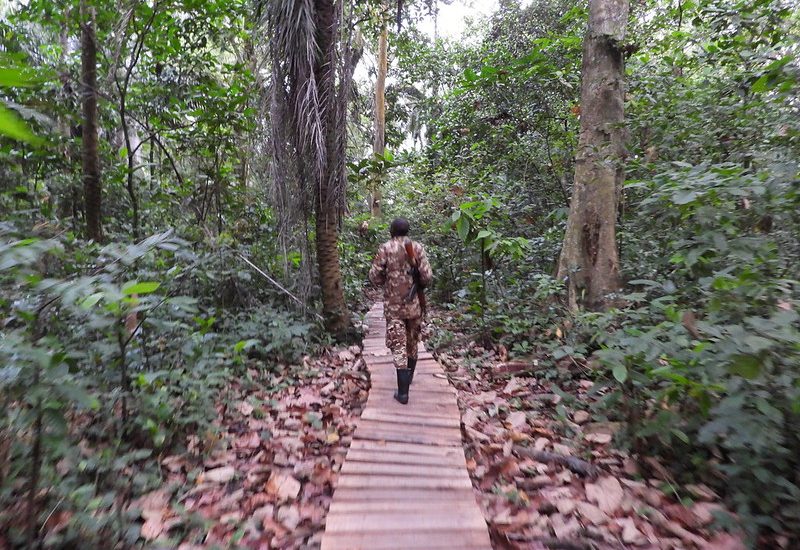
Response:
column 399, row 227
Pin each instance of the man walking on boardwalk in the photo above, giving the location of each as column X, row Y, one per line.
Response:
column 402, row 267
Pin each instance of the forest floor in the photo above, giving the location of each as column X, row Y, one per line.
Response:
column 546, row 473
column 269, row 478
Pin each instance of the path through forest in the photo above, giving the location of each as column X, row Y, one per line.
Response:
column 404, row 483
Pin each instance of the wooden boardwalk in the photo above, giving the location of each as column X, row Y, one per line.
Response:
column 404, row 483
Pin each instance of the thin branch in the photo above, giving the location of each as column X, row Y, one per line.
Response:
column 276, row 283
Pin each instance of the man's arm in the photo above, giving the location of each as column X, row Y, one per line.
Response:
column 425, row 271
column 377, row 273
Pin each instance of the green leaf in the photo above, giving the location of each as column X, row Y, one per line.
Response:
column 684, row 197
column 140, row 288
column 11, row 125
column 748, row 366
column 90, row 301
column 680, row 435
column 15, row 77
column 462, row 227
column 241, row 345
column 620, row 372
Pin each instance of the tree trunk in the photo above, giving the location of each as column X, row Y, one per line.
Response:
column 92, row 187
column 379, row 145
column 589, row 258
column 334, row 308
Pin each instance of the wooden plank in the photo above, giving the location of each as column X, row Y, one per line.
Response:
column 407, row 448
column 435, row 407
column 414, row 396
column 405, row 505
column 410, row 482
column 401, row 436
column 414, row 494
column 396, row 540
column 376, row 414
column 452, row 414
column 422, row 429
column 379, row 522
column 429, row 390
column 374, row 456
column 416, row 470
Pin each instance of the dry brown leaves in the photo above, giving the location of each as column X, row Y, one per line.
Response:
column 532, row 504
column 269, row 480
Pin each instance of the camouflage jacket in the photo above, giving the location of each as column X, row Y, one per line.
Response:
column 390, row 268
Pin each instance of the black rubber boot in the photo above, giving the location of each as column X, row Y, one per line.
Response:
column 412, row 365
column 403, row 381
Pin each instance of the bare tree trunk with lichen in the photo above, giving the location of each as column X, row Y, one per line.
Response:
column 379, row 143
column 589, row 258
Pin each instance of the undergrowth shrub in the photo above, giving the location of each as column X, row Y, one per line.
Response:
column 101, row 348
column 705, row 364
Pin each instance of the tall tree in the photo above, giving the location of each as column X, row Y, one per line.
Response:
column 379, row 143
column 589, row 257
column 92, row 186
column 309, row 48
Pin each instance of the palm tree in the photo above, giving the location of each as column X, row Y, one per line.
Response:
column 313, row 61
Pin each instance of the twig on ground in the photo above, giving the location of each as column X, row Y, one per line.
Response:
column 580, row 467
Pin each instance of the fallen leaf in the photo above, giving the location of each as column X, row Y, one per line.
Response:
column 516, row 420
column 245, row 408
column 564, row 529
column 333, row 437
column 566, row 506
column 607, row 493
column 591, row 513
column 581, row 417
column 704, row 512
column 630, row 534
column 174, row 463
column 248, row 441
column 152, row 528
column 289, row 516
column 470, row 418
column 512, row 387
column 600, row 439
column 702, row 492
column 283, row 486
column 724, row 541
column 681, row 514
column 217, row 475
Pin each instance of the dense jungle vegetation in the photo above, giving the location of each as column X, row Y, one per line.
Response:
column 192, row 192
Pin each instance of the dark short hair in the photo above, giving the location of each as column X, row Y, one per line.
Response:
column 399, row 227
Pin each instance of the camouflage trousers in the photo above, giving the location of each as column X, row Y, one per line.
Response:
column 402, row 338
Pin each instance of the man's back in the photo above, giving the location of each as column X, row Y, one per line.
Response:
column 391, row 268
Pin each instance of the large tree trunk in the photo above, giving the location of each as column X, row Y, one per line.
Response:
column 589, row 258
column 327, row 205
column 379, row 144
column 92, row 189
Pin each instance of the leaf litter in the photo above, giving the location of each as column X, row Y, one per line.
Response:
column 562, row 483
column 268, row 479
